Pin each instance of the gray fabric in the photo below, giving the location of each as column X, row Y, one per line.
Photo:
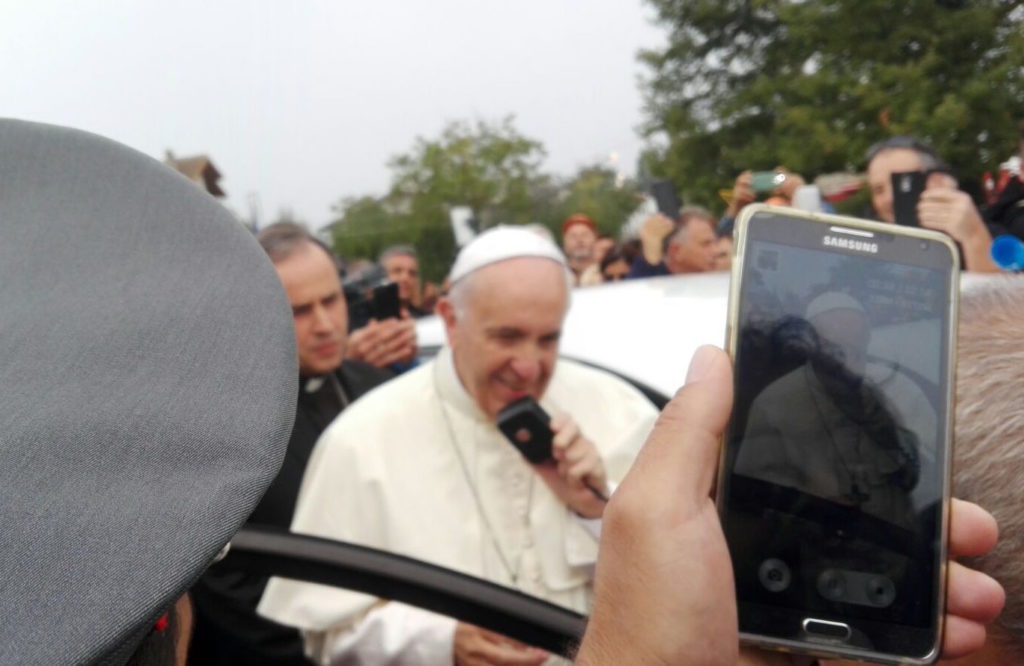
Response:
column 147, row 388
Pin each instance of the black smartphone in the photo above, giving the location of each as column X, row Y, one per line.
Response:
column 528, row 427
column 386, row 304
column 834, row 481
column 667, row 198
column 907, row 187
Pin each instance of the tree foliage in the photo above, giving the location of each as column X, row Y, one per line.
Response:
column 811, row 85
column 491, row 168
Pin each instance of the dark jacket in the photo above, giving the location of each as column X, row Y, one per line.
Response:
column 1006, row 215
column 642, row 269
column 227, row 628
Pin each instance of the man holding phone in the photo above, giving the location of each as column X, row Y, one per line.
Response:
column 942, row 206
column 420, row 467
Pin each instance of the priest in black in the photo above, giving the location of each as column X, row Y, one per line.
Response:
column 227, row 628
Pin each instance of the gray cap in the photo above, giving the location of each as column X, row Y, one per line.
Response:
column 147, row 390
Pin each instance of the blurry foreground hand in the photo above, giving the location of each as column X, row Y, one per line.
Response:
column 664, row 589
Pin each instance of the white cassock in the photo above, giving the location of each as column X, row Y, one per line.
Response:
column 415, row 468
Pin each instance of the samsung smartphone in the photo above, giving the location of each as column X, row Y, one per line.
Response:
column 907, row 187
column 528, row 427
column 835, row 473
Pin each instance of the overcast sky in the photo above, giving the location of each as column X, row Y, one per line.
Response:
column 302, row 103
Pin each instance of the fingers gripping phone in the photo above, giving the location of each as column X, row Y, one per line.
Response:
column 835, row 474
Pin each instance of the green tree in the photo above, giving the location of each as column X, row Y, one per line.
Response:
column 597, row 191
column 758, row 83
column 489, row 167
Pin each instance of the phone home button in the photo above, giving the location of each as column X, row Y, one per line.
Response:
column 827, row 629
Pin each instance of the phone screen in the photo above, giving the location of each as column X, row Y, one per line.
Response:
column 836, row 456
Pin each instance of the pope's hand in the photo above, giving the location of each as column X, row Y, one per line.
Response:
column 576, row 469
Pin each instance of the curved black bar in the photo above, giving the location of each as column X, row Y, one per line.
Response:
column 275, row 552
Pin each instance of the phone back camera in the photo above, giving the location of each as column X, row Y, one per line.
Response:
column 774, row 575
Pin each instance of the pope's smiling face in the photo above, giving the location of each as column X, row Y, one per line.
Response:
column 504, row 330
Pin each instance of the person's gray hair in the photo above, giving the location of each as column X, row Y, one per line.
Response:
column 929, row 158
column 397, row 251
column 989, row 442
column 687, row 216
column 282, row 239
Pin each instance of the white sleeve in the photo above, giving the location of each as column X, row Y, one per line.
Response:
column 584, row 556
column 591, row 525
column 392, row 634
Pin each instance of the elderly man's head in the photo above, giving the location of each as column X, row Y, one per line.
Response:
column 503, row 316
column 690, row 248
column 989, row 443
column 309, row 274
column 896, row 154
column 402, row 266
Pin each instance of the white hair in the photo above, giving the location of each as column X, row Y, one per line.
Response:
column 989, row 443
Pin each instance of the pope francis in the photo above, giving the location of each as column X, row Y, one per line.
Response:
column 419, row 468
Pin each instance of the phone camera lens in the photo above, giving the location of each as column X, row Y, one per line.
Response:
column 832, row 585
column 774, row 574
column 880, row 590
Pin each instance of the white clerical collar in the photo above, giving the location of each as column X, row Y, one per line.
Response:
column 451, row 388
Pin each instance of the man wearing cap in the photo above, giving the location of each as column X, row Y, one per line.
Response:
column 579, row 236
column 419, row 467
column 228, row 630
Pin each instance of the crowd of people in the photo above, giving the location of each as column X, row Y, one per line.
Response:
column 418, row 465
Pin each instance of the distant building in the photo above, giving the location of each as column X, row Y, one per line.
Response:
column 199, row 169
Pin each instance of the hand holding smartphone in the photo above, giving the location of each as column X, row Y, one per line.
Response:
column 834, row 479
column 528, row 427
